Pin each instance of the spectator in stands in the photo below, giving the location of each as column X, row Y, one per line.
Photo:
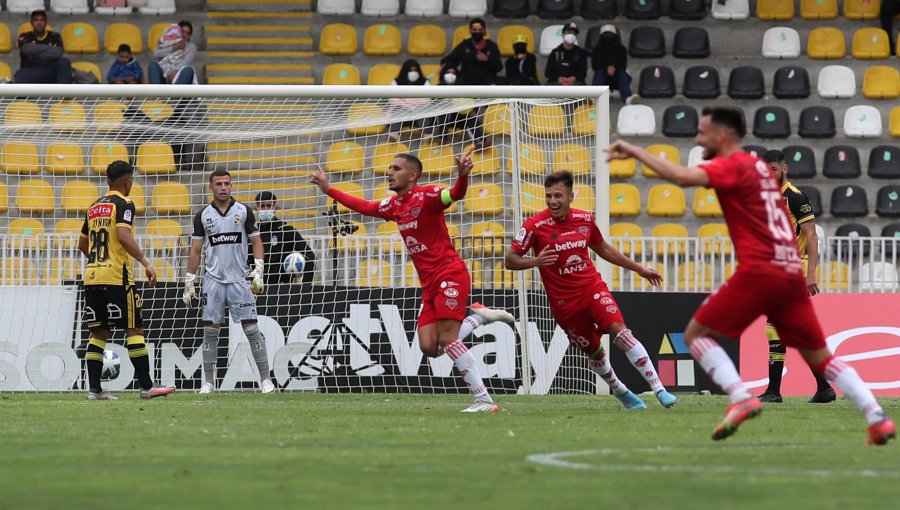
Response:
column 125, row 69
column 609, row 61
column 279, row 240
column 567, row 63
column 477, row 58
column 467, row 120
column 521, row 67
column 174, row 56
column 410, row 74
column 889, row 9
column 42, row 54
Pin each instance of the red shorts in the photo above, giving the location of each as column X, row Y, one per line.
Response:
column 747, row 295
column 446, row 298
column 587, row 325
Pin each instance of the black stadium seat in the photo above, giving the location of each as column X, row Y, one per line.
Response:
column 599, row 9
column 592, row 38
column 801, row 161
column 815, row 198
column 841, row 162
column 817, row 122
column 884, row 162
column 691, row 42
column 893, row 231
column 702, row 82
column 856, row 231
column 746, row 82
column 887, row 205
column 849, row 201
column 555, row 9
column 647, row 42
column 771, row 122
column 680, row 121
column 791, row 82
column 657, row 82
column 687, row 10
column 643, row 9
column 511, row 8
column 755, row 150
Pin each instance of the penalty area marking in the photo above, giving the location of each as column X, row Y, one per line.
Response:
column 559, row 460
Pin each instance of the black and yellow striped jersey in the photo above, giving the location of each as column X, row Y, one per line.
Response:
column 108, row 262
column 799, row 211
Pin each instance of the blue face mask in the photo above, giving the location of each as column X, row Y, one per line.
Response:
column 266, row 215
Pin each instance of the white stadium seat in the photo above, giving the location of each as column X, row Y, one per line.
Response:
column 424, row 8
column 695, row 157
column 837, row 82
column 551, row 37
column 781, row 42
column 733, row 9
column 380, row 7
column 636, row 120
column 99, row 8
column 158, row 8
column 24, row 6
column 467, row 8
column 69, row 6
column 862, row 121
column 343, row 7
column 878, row 276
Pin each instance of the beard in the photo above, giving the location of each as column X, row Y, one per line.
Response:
column 709, row 153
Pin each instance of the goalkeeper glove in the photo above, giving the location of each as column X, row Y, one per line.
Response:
column 256, row 281
column 189, row 292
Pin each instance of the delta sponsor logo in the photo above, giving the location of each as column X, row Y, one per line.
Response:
column 407, row 226
column 232, row 238
column 570, row 245
column 100, row 210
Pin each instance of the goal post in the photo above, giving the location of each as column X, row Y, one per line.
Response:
column 347, row 325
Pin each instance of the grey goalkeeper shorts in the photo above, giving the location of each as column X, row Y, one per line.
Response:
column 236, row 296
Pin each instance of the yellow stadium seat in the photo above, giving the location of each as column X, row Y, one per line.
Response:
column 870, row 43
column 26, row 27
column 345, row 157
column 409, row 275
column 103, row 154
column 68, row 116
column 164, row 233
column 573, row 157
column 818, row 9
column 89, row 67
column 664, row 151
column 338, row 39
column 374, row 273
column 532, row 198
column 364, row 113
column 80, row 38
column 666, row 200
column 20, row 158
column 455, row 235
column 5, row 72
column 5, row 39
column 486, row 161
column 437, row 160
column 706, row 203
column 775, row 9
column 508, row 33
column 826, row 43
column 383, row 154
column 351, row 188
column 165, row 271
column 17, row 271
column 693, row 276
column 427, row 41
column 23, row 114
column 461, row 33
column 65, row 269
column 67, row 232
column 341, row 74
column 35, row 196
column 622, row 168
column 156, row 110
column 729, row 270
column 837, row 276
column 476, row 271
column 496, row 120
column 108, row 115
column 431, row 72
column 123, row 33
column 382, row 74
column 138, row 197
column 546, row 120
column 624, row 200
column 861, row 9
column 4, row 198
column 532, row 159
column 584, row 121
column 584, row 198
column 714, row 239
column 671, row 246
column 156, row 31
column 626, row 238
column 171, row 197
column 77, row 196
column 505, row 279
column 31, row 232
column 155, row 158
column 488, row 238
column 382, row 39
column 389, row 229
column 895, row 122
column 355, row 242
column 486, row 199
column 881, row 82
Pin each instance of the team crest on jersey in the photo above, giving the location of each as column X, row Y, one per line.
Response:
column 583, row 230
column 237, row 219
column 451, row 303
column 274, row 240
column 520, row 235
column 606, row 301
column 806, row 208
column 127, row 215
column 414, row 212
column 451, row 292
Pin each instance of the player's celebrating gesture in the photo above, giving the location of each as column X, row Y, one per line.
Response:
column 419, row 213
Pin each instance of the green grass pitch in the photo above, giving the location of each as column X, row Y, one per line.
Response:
column 316, row 451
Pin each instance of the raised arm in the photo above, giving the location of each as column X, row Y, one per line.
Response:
column 464, row 166
column 669, row 171
column 362, row 206
column 612, row 255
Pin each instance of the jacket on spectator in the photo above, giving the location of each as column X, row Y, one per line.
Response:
column 130, row 70
column 522, row 71
column 609, row 52
column 40, row 52
column 566, row 63
column 471, row 70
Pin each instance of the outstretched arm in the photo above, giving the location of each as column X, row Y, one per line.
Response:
column 669, row 171
column 612, row 255
column 362, row 206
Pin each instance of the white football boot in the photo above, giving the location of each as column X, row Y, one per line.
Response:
column 268, row 386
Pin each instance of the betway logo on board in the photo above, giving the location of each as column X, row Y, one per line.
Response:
column 569, row 245
column 218, row 239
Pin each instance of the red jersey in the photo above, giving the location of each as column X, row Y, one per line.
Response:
column 754, row 210
column 573, row 278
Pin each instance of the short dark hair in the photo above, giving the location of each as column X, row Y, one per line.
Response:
column 563, row 176
column 479, row 21
column 773, row 156
column 118, row 169
column 186, row 23
column 124, row 48
column 729, row 117
column 38, row 12
column 417, row 163
column 219, row 172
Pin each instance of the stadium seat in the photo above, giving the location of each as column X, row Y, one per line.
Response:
column 546, row 120
column 626, row 238
column 511, row 8
column 818, row 9
column 5, row 72
column 647, row 42
column 884, row 162
column 841, row 162
column 673, row 233
column 80, row 38
column 860, row 240
column 113, row 8
column 89, row 67
column 138, row 197
column 337, row 39
column 26, row 27
column 66, row 232
column 427, row 41
column 30, row 230
column 394, row 243
column 636, row 120
column 360, row 115
column 431, row 72
column 154, row 34
column 887, row 203
column 870, row 43
column 657, row 82
column 555, row 9
column 599, row 9
column 573, row 157
column 791, row 82
column 437, row 160
column 836, row 82
column 551, row 37
column 496, row 120
column 339, row 7
column 862, row 121
column 21, row 113
column 345, row 157
column 154, row 158
column 756, row 151
column 774, row 10
column 485, row 161
column 666, row 200
column 584, row 198
column 424, row 8
column 487, row 239
column 531, row 196
column 714, row 239
column 881, row 82
column 462, row 33
column 731, row 10
column 849, row 201
column 837, row 275
column 35, row 196
column 67, row 116
column 695, row 156
column 663, row 151
column 509, row 32
column 895, row 122
column 505, row 279
column 5, row 39
column 108, row 115
column 532, row 159
column 351, row 188
column 584, row 120
column 4, row 198
column 77, row 196
column 680, row 121
column 64, row 159
column 826, row 43
column 687, row 10
column 382, row 39
column 801, row 161
column 643, row 9
column 171, row 197
column 771, row 122
column 781, row 42
column 103, row 154
column 624, row 200
column 861, row 9
column 123, row 33
column 355, row 243
column 341, row 74
column 891, row 231
column 815, row 199
column 622, row 168
column 374, row 273
column 693, row 276
column 875, row 276
column 484, row 199
column 158, row 8
column 164, row 234
column 23, row 6
column 382, row 74
column 381, row 8
column 156, row 110
column 701, row 82
column 817, row 122
column 706, row 204
column 746, row 82
column 19, row 158
column 691, row 42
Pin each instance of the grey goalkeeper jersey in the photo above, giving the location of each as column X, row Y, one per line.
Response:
column 225, row 240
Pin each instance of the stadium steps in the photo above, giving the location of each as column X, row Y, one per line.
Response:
column 270, row 50
column 260, row 5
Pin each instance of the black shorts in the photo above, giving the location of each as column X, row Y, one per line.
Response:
column 106, row 306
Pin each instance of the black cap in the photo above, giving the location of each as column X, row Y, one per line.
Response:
column 266, row 196
column 570, row 26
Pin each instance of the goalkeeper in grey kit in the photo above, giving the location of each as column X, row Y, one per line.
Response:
column 225, row 227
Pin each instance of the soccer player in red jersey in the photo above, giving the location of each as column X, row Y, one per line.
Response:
column 579, row 299
column 768, row 280
column 419, row 213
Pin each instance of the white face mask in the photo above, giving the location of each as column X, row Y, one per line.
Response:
column 266, row 215
column 449, row 78
column 412, row 76
column 570, row 39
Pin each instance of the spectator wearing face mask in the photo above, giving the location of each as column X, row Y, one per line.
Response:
column 466, row 120
column 609, row 60
column 521, row 67
column 567, row 63
column 410, row 74
column 477, row 58
column 279, row 240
